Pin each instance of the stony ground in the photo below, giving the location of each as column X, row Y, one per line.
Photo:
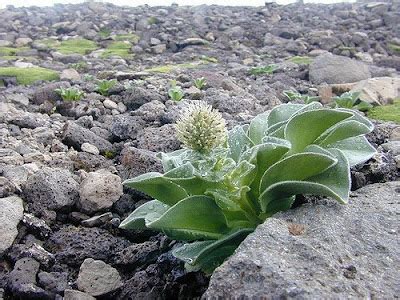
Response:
column 62, row 162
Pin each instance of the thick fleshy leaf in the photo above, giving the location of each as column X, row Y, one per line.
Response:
column 296, row 167
column 341, row 131
column 357, row 150
column 334, row 182
column 282, row 113
column 147, row 212
column 157, row 186
column 208, row 255
column 258, row 128
column 173, row 159
column 195, row 217
column 238, row 141
column 303, row 129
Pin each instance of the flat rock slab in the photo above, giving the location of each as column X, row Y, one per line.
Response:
column 320, row 251
column 11, row 213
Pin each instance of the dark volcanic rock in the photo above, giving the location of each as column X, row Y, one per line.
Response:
column 125, row 127
column 72, row 245
column 320, row 251
column 139, row 96
column 53, row 189
column 75, row 135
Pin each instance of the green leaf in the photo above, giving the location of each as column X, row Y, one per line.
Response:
column 282, row 113
column 341, row 131
column 208, row 255
column 238, row 142
column 173, row 159
column 258, row 128
column 195, row 217
column 334, row 182
column 303, row 129
column 147, row 212
column 357, row 149
column 296, row 167
column 157, row 186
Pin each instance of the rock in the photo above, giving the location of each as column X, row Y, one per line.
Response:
column 22, row 280
column 133, row 99
column 55, row 282
column 89, row 148
column 7, row 188
column 134, row 162
column 379, row 90
column 125, row 127
column 35, row 251
column 193, row 42
column 99, row 190
column 70, row 74
column 322, row 250
column 97, row 278
column 23, row 41
column 151, row 111
column 52, row 189
column 77, row 295
column 160, row 139
column 75, row 135
column 392, row 146
column 110, row 104
column 158, row 49
column 138, row 255
column 48, row 93
column 72, row 245
column 37, row 226
column 11, row 213
column 330, row 68
column 97, row 220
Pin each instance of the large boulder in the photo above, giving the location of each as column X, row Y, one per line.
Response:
column 329, row 68
column 320, row 251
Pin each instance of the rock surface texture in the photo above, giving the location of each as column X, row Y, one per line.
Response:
column 321, row 250
column 11, row 213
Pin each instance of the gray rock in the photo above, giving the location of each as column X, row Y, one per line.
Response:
column 70, row 74
column 134, row 162
column 99, row 190
column 393, row 147
column 151, row 111
column 125, row 127
column 138, row 254
column 77, row 295
column 52, row 189
column 35, row 251
column 89, row 148
column 74, row 135
column 380, row 90
column 160, row 139
column 11, row 213
column 97, row 220
column 320, row 251
column 98, row 278
column 330, row 68
column 133, row 99
column 7, row 188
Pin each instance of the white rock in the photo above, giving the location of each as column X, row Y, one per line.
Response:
column 23, row 65
column 110, row 104
column 97, row 278
column 378, row 90
column 20, row 42
column 99, row 190
column 89, row 148
column 70, row 74
column 11, row 213
column 122, row 107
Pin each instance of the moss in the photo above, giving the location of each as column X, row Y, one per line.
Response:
column 10, row 51
column 394, row 47
column 118, row 49
column 171, row 68
column 389, row 112
column 130, row 37
column 301, row 60
column 152, row 21
column 29, row 75
column 104, row 33
column 209, row 59
column 109, row 154
column 80, row 46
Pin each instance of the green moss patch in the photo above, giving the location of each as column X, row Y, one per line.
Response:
column 10, row 51
column 301, row 60
column 386, row 112
column 29, row 75
column 72, row 46
column 130, row 37
column 394, row 48
column 121, row 49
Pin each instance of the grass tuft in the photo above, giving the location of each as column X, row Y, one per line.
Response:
column 389, row 112
column 29, row 75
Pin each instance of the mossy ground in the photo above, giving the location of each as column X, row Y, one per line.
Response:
column 29, row 75
column 10, row 51
column 394, row 48
column 386, row 112
column 130, row 37
column 118, row 48
column 301, row 60
column 72, row 46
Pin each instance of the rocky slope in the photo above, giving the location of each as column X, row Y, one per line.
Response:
column 62, row 163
